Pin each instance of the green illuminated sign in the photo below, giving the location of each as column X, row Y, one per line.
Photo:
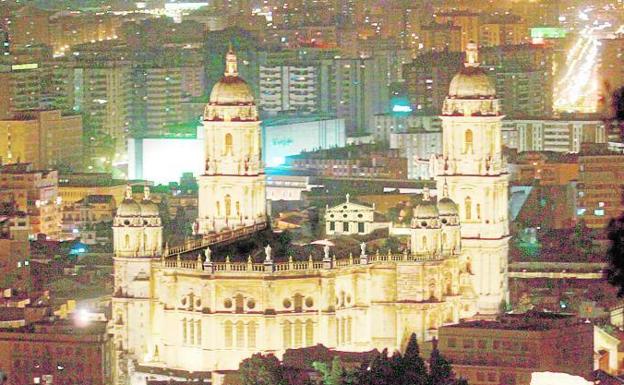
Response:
column 548, row 33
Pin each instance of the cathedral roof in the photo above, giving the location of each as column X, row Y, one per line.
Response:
column 446, row 206
column 148, row 207
column 231, row 89
column 471, row 82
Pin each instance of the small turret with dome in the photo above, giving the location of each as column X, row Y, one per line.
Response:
column 446, row 206
column 471, row 91
column 137, row 227
column 128, row 207
column 148, row 207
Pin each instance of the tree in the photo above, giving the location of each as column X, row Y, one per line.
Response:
column 440, row 370
column 615, row 254
column 262, row 369
column 415, row 370
column 334, row 375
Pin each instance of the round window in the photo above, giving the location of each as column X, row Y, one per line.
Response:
column 309, row 302
column 344, row 215
column 444, row 221
column 251, row 304
column 331, row 215
column 423, row 224
column 227, row 303
column 126, row 222
column 360, row 215
column 287, row 303
column 344, row 207
column 145, row 222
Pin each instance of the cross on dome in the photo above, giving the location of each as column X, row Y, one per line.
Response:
column 472, row 55
column 231, row 65
column 445, row 190
column 128, row 194
column 146, row 193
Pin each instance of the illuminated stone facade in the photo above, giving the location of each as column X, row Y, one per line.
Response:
column 176, row 309
column 475, row 173
column 232, row 188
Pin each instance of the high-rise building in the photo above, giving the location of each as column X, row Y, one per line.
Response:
column 473, row 172
column 232, row 188
column 468, row 22
column 564, row 134
column 441, row 37
column 509, row 350
column 14, row 247
column 36, row 193
column 46, row 139
column 505, row 29
column 102, row 94
column 601, row 176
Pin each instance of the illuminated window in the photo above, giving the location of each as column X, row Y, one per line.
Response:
column 228, row 144
column 599, row 212
column 580, row 211
column 468, row 142
column 228, row 334
column 468, row 208
column 309, row 330
column 240, row 334
column 251, row 335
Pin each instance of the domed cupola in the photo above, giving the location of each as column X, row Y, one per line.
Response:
column 471, row 92
column 426, row 208
column 231, row 98
column 446, row 206
column 128, row 207
column 148, row 207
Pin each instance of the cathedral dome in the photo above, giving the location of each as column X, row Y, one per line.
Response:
column 447, row 207
column 471, row 82
column 231, row 89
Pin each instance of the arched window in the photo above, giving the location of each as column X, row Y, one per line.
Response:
column 228, row 144
column 238, row 213
column 240, row 335
column 127, row 241
column 444, row 241
column 184, row 330
column 478, row 210
column 432, row 288
column 309, row 331
column 198, row 332
column 343, row 330
column 191, row 325
column 468, row 208
column 468, row 142
column 287, row 335
column 228, row 334
column 251, row 335
column 228, row 205
column 298, row 333
column 423, row 244
column 218, row 209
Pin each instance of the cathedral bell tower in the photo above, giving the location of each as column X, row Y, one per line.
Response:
column 475, row 176
column 232, row 187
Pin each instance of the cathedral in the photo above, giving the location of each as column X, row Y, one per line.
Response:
column 185, row 312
